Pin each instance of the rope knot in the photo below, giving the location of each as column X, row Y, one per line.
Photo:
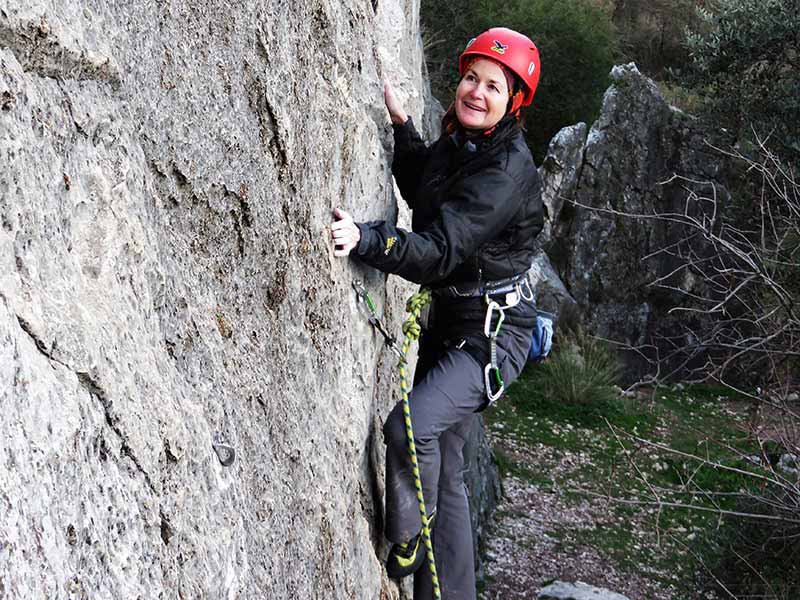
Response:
column 418, row 301
column 411, row 329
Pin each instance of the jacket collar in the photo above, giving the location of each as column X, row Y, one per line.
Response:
column 474, row 142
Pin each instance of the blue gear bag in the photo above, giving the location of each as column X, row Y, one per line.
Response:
column 542, row 337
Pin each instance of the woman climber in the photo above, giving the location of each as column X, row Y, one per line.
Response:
column 475, row 196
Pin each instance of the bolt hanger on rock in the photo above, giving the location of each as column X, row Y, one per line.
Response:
column 224, row 451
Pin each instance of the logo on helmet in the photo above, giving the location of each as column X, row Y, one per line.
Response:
column 531, row 68
column 499, row 47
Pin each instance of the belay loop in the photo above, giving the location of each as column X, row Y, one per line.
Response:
column 411, row 330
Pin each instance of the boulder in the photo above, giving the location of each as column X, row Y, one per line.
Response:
column 560, row 590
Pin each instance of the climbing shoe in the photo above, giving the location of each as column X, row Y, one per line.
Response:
column 405, row 559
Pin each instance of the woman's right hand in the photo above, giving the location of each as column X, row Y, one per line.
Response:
column 345, row 233
column 393, row 105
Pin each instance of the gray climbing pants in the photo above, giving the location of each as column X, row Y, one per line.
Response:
column 448, row 389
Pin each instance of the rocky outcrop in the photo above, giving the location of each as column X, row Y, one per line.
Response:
column 167, row 174
column 601, row 188
column 559, row 172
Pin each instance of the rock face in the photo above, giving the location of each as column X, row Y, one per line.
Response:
column 167, row 174
column 624, row 164
column 483, row 483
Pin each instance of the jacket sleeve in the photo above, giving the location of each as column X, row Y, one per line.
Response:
column 476, row 211
column 410, row 156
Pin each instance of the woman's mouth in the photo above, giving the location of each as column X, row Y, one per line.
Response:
column 473, row 106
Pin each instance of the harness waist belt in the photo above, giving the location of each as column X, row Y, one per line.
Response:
column 501, row 286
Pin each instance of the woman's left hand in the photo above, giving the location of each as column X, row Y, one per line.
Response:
column 344, row 232
column 397, row 114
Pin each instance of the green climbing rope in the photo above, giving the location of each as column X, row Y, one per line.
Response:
column 411, row 331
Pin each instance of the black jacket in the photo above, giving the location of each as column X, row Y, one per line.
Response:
column 476, row 205
column 477, row 208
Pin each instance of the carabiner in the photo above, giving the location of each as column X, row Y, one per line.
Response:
column 363, row 298
column 487, row 324
column 527, row 284
column 492, row 396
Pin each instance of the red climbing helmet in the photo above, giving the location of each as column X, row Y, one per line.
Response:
column 512, row 50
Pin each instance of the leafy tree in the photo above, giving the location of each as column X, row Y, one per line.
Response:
column 576, row 43
column 746, row 64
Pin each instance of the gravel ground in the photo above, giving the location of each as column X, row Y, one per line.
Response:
column 527, row 547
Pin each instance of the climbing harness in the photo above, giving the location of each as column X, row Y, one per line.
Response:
column 225, row 452
column 411, row 331
column 518, row 283
column 366, row 305
column 514, row 289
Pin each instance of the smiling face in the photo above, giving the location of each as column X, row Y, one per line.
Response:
column 482, row 95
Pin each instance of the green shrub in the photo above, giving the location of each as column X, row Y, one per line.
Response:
column 582, row 371
column 576, row 43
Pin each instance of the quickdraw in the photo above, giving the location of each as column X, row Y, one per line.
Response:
column 367, row 306
column 492, row 368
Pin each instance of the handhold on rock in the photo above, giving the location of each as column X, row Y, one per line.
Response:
column 225, row 452
column 561, row 590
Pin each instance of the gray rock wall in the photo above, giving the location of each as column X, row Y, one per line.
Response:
column 167, row 174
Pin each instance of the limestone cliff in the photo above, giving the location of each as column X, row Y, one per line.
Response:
column 593, row 177
column 167, row 174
